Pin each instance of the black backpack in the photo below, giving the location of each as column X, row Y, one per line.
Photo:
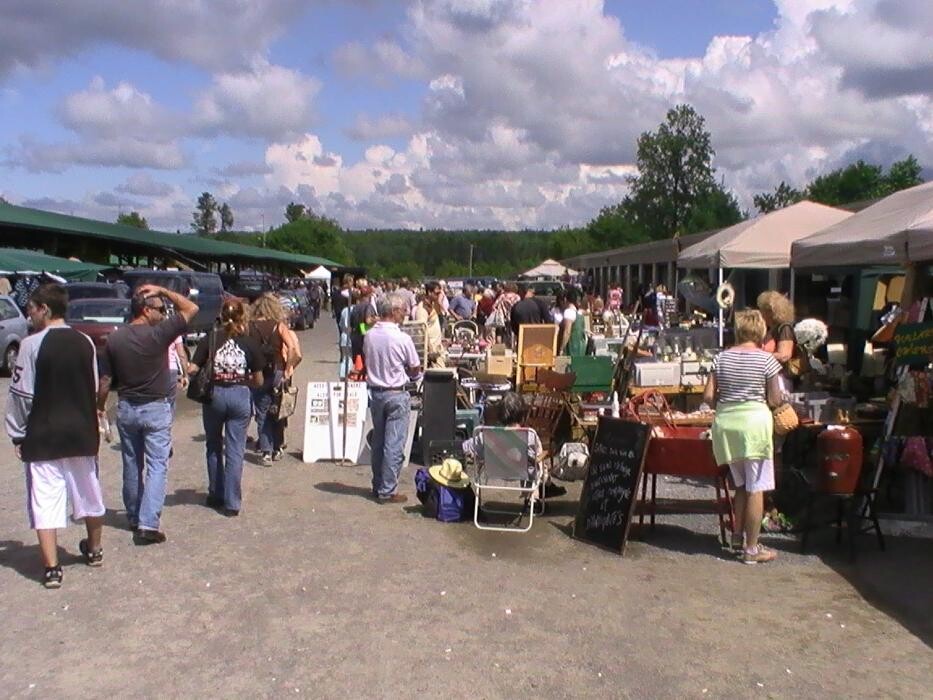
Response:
column 268, row 345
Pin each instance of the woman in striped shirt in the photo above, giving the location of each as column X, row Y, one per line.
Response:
column 743, row 385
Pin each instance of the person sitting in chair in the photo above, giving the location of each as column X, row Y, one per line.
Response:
column 512, row 412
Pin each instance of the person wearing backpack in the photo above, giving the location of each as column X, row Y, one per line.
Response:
column 267, row 326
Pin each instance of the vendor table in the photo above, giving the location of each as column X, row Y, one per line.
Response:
column 465, row 359
column 680, row 451
column 682, row 395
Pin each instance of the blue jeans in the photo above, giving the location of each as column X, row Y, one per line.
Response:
column 262, row 400
column 145, row 441
column 226, row 419
column 391, row 411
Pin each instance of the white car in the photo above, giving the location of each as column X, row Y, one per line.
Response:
column 13, row 328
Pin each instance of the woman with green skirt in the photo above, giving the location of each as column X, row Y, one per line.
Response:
column 743, row 386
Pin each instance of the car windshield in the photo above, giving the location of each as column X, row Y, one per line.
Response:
column 98, row 311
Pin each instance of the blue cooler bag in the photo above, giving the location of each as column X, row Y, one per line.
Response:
column 444, row 503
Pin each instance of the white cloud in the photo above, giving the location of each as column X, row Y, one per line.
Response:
column 267, row 101
column 386, row 126
column 214, row 34
column 143, row 185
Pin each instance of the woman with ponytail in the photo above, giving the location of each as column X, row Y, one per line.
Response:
column 237, row 363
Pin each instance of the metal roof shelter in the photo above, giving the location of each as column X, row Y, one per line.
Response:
column 89, row 239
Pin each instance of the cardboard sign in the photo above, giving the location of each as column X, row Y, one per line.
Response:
column 617, row 458
column 914, row 343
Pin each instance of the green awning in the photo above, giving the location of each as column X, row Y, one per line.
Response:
column 14, row 260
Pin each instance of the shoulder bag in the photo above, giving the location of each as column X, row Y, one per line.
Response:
column 284, row 400
column 201, row 386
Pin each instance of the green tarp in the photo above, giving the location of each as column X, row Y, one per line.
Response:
column 14, row 260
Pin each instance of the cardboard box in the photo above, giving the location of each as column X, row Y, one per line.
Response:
column 500, row 361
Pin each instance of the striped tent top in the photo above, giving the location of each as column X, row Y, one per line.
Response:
column 742, row 375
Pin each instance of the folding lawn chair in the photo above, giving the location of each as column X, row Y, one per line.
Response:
column 503, row 456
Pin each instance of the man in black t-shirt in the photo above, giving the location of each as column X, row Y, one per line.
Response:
column 135, row 361
column 528, row 310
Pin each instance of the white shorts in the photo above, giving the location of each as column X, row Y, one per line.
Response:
column 51, row 485
column 754, row 474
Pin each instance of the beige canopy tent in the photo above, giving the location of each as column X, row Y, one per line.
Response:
column 896, row 230
column 548, row 269
column 763, row 242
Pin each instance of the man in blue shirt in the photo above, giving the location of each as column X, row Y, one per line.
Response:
column 463, row 307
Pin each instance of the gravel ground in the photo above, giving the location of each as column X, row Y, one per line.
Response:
column 316, row 590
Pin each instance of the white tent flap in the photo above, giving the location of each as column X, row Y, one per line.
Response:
column 896, row 230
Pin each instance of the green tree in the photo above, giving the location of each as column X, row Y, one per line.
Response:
column 226, row 217
column 204, row 219
column 133, row 219
column 903, row 174
column 295, row 211
column 312, row 236
column 451, row 268
column 853, row 183
column 784, row 195
column 615, row 227
column 675, row 177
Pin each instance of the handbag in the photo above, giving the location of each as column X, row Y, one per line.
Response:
column 786, row 419
column 799, row 363
column 284, row 401
column 201, row 386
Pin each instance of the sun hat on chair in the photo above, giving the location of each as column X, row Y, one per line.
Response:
column 450, row 473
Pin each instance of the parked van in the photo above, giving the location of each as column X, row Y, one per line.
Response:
column 203, row 288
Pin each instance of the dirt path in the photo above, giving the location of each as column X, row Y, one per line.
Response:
column 316, row 590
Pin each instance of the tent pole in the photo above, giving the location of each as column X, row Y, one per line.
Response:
column 793, row 283
column 721, row 315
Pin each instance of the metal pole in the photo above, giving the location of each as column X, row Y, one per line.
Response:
column 793, row 283
column 470, row 273
column 721, row 314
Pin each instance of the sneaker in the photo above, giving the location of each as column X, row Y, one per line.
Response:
column 552, row 490
column 278, row 454
column 214, row 502
column 95, row 558
column 53, row 577
column 230, row 513
column 266, row 459
column 737, row 543
column 758, row 555
column 149, row 537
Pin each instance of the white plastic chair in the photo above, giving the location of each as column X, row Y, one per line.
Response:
column 505, row 457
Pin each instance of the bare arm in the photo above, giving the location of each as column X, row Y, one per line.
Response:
column 784, row 351
column 565, row 328
column 709, row 392
column 183, row 305
column 103, row 391
column 774, row 392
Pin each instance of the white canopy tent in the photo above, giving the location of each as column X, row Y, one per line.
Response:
column 896, row 230
column 761, row 243
column 318, row 273
column 548, row 269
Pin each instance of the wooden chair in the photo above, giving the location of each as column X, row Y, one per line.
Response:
column 544, row 413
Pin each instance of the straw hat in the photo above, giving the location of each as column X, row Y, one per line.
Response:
column 450, row 473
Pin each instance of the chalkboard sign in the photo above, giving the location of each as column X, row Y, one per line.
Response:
column 914, row 343
column 617, row 457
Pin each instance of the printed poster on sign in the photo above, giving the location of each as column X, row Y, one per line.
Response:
column 317, row 439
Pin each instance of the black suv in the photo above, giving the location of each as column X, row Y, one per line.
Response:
column 203, row 288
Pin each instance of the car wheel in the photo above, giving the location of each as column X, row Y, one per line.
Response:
column 9, row 358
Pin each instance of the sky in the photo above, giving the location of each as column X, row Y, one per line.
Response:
column 499, row 114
